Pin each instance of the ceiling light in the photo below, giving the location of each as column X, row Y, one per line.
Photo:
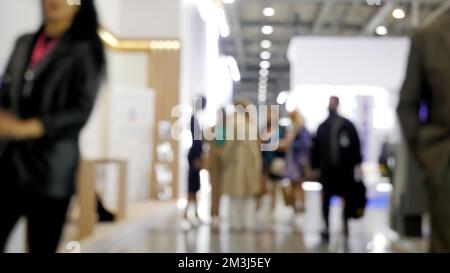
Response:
column 234, row 69
column 282, row 98
column 267, row 30
column 264, row 72
column 228, row 1
column 224, row 28
column 266, row 44
column 265, row 55
column 269, row 12
column 381, row 30
column 264, row 64
column 262, row 85
column 398, row 13
column 263, row 79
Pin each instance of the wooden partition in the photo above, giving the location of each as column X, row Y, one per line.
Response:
column 87, row 195
column 165, row 80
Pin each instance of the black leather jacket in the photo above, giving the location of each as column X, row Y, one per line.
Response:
column 61, row 92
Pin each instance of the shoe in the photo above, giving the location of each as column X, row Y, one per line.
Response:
column 103, row 214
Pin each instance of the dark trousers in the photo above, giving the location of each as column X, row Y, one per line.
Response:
column 439, row 206
column 45, row 216
column 327, row 194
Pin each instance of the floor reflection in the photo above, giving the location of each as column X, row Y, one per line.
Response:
column 279, row 231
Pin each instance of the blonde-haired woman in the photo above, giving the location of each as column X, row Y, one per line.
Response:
column 297, row 157
column 242, row 169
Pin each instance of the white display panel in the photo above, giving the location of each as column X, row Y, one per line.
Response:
column 130, row 135
column 379, row 62
column 121, row 128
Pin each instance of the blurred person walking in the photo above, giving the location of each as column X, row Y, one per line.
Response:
column 195, row 159
column 46, row 97
column 273, row 161
column 214, row 164
column 242, row 169
column 297, row 158
column 336, row 154
column 424, row 113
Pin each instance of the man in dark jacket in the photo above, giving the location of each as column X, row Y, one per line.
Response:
column 424, row 112
column 336, row 153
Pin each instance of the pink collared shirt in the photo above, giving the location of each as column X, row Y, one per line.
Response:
column 41, row 49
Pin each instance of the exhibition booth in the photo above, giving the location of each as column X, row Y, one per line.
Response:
column 367, row 75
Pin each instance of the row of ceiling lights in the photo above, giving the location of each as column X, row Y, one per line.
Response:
column 266, row 44
column 265, row 56
column 398, row 14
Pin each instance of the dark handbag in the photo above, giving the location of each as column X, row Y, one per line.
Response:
column 356, row 200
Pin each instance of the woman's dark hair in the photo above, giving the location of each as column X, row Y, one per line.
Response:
column 85, row 28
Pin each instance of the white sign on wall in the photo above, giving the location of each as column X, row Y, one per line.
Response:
column 130, row 134
column 121, row 128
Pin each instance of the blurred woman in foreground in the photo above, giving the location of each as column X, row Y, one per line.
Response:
column 47, row 94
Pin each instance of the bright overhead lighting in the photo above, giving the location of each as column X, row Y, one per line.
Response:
column 381, row 30
column 234, row 69
column 266, row 44
column 263, row 79
column 228, row 1
column 224, row 28
column 269, row 12
column 264, row 64
column 262, row 85
column 265, row 55
column 282, row 97
column 267, row 30
column 398, row 13
column 264, row 72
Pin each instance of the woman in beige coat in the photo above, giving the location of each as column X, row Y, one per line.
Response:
column 242, row 170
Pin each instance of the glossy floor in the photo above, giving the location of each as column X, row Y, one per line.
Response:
column 277, row 231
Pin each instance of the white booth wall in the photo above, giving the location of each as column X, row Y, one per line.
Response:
column 366, row 73
column 203, row 73
column 123, row 116
column 16, row 18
